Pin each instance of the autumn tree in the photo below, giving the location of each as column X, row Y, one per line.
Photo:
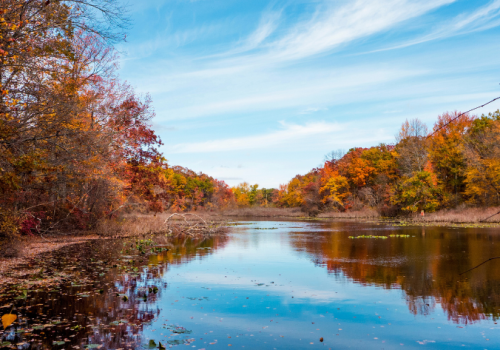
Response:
column 446, row 152
column 418, row 192
column 482, row 152
column 412, row 147
column 64, row 129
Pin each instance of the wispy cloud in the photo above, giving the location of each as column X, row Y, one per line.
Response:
column 268, row 23
column 289, row 132
column 311, row 110
column 332, row 26
column 261, row 62
column 483, row 18
column 244, row 91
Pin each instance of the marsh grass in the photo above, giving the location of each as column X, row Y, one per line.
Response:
column 131, row 225
column 141, row 224
column 263, row 212
column 297, row 213
column 365, row 213
column 461, row 215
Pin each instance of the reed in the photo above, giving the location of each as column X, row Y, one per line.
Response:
column 191, row 224
column 461, row 215
column 263, row 212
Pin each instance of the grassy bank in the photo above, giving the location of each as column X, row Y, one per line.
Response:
column 463, row 215
column 451, row 216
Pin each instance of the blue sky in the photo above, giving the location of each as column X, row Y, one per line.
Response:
column 259, row 91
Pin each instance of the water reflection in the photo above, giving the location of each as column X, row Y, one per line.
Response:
column 267, row 285
column 112, row 294
column 425, row 266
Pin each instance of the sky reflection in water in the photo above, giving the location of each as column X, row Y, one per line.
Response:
column 288, row 287
column 270, row 285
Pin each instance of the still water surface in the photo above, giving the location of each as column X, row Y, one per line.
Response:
column 272, row 285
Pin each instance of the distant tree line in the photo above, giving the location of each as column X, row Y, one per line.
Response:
column 457, row 164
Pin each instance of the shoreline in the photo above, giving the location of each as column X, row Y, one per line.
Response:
column 469, row 217
column 11, row 269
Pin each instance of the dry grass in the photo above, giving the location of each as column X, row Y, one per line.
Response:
column 361, row 214
column 296, row 213
column 461, row 215
column 263, row 212
column 168, row 223
column 128, row 226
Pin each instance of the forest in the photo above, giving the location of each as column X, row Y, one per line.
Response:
column 456, row 164
column 77, row 144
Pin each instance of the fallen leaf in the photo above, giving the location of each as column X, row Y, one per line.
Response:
column 8, row 319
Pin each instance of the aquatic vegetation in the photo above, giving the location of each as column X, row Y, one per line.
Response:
column 441, row 224
column 380, row 237
column 368, row 236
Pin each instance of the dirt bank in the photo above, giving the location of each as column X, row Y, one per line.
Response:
column 31, row 248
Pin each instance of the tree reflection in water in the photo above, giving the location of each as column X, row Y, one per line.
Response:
column 107, row 302
column 425, row 266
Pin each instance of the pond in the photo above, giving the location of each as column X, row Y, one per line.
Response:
column 268, row 285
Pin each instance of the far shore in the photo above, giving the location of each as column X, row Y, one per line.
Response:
column 464, row 216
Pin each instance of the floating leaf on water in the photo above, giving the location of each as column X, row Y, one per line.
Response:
column 92, row 346
column 24, row 296
column 175, row 342
column 181, row 330
column 8, row 319
column 152, row 344
column 60, row 342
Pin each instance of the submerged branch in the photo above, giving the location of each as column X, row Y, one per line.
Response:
column 484, row 262
column 489, row 217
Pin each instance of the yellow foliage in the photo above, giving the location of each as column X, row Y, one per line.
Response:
column 8, row 319
column 335, row 190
